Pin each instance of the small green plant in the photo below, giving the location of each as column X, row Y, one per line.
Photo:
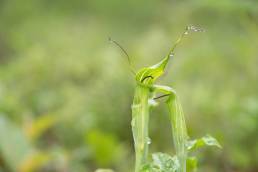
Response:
column 145, row 98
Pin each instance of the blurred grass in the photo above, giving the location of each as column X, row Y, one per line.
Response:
column 56, row 63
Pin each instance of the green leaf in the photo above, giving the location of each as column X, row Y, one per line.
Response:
column 148, row 168
column 40, row 125
column 191, row 164
column 204, row 141
column 148, row 75
column 161, row 163
column 14, row 145
column 165, row 163
column 16, row 150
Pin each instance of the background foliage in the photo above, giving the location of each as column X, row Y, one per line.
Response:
column 65, row 92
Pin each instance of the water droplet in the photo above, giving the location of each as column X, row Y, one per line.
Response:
column 186, row 32
column 171, row 55
column 148, row 141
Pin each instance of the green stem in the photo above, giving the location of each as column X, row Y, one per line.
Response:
column 140, row 120
column 178, row 129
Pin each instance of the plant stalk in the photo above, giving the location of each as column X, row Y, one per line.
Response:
column 179, row 130
column 140, row 121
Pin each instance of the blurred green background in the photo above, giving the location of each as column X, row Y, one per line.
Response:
column 65, row 91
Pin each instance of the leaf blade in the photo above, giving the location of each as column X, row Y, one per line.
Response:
column 204, row 141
